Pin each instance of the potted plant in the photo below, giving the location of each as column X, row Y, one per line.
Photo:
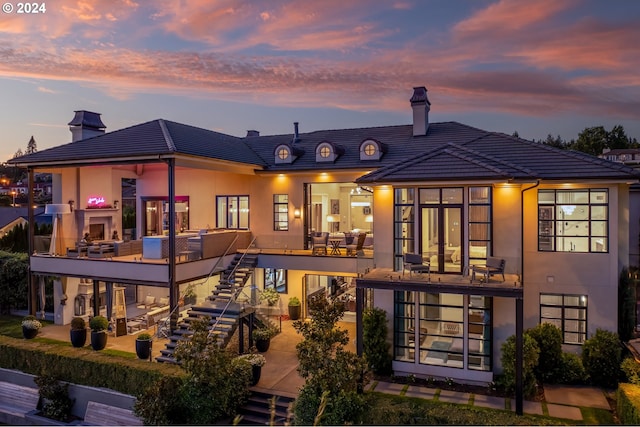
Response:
column 257, row 361
column 30, row 327
column 262, row 337
column 294, row 308
column 78, row 332
column 98, row 325
column 270, row 295
column 143, row 346
column 189, row 295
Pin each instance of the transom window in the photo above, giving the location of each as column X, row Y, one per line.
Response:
column 573, row 220
column 567, row 312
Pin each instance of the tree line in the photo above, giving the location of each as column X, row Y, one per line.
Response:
column 593, row 140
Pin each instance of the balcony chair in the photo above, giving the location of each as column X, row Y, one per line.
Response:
column 320, row 242
column 415, row 262
column 492, row 267
column 355, row 248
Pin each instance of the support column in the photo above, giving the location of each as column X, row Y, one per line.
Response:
column 96, row 297
column 174, row 292
column 359, row 329
column 519, row 356
column 32, row 296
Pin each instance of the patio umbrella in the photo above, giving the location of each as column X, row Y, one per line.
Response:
column 41, row 295
column 109, row 300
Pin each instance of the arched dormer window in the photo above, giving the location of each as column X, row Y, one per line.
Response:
column 370, row 149
column 327, row 152
column 283, row 154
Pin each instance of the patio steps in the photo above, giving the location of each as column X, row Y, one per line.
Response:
column 226, row 317
column 257, row 410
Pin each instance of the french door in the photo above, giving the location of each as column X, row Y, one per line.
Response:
column 441, row 230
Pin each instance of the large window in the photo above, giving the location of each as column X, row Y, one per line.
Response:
column 232, row 212
column 567, row 312
column 573, row 220
column 403, row 226
column 447, row 330
column 281, row 212
column 276, row 278
column 479, row 224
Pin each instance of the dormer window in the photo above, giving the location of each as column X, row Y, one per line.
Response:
column 370, row 149
column 283, row 154
column 327, row 152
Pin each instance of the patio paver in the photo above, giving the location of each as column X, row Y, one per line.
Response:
column 492, row 402
column 563, row 411
column 454, row 397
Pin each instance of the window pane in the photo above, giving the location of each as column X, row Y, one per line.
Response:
column 244, row 213
column 479, row 213
column 551, row 312
column 599, row 196
column 404, row 195
column 599, row 245
column 572, row 196
column 547, row 299
column 599, row 212
column 222, row 212
column 479, row 195
column 452, row 195
column 546, row 197
column 575, row 300
column 429, row 195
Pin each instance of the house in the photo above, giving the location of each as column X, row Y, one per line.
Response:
column 454, row 194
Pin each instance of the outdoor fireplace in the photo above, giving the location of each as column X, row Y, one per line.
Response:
column 96, row 231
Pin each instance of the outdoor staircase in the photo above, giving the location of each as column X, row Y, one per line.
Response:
column 224, row 312
column 257, row 410
column 235, row 276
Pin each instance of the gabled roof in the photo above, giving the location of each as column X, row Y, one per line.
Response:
column 497, row 156
column 148, row 140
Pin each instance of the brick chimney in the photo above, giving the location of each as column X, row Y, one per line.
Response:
column 421, row 106
column 85, row 125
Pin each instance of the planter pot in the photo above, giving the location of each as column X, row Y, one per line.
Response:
column 294, row 312
column 263, row 345
column 143, row 349
column 98, row 340
column 255, row 371
column 78, row 337
column 189, row 300
column 29, row 333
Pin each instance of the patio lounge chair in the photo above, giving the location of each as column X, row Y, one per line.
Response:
column 356, row 247
column 492, row 267
column 415, row 262
column 320, row 243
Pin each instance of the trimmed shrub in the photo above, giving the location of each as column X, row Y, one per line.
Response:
column 628, row 404
column 601, row 358
column 631, row 370
column 83, row 366
column 549, row 340
column 375, row 344
column 530, row 354
column 55, row 396
column 570, row 370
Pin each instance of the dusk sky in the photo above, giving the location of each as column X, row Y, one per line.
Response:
column 536, row 67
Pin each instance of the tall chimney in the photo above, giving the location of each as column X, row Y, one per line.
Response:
column 85, row 125
column 296, row 134
column 421, row 106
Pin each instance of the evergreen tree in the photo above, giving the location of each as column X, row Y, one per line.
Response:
column 32, row 147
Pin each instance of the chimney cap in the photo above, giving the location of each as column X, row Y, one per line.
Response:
column 87, row 119
column 420, row 95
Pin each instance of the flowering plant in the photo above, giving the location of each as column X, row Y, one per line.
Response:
column 254, row 358
column 264, row 333
column 270, row 295
column 30, row 322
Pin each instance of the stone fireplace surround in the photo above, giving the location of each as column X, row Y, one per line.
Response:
column 107, row 217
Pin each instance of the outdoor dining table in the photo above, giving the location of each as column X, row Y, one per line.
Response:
column 335, row 246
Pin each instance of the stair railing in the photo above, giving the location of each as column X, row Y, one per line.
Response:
column 234, row 292
column 161, row 330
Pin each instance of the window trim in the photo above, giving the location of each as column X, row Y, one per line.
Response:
column 548, row 234
column 278, row 224
column 563, row 317
column 219, row 224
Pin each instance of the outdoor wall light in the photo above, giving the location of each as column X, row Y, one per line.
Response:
column 71, row 203
column 115, row 204
column 296, row 213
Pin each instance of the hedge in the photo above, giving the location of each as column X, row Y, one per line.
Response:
column 84, row 366
column 628, row 404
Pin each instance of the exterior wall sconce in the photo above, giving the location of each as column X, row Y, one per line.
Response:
column 115, row 204
column 296, row 213
column 71, row 203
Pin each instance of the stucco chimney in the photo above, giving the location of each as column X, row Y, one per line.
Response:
column 85, row 125
column 421, row 106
